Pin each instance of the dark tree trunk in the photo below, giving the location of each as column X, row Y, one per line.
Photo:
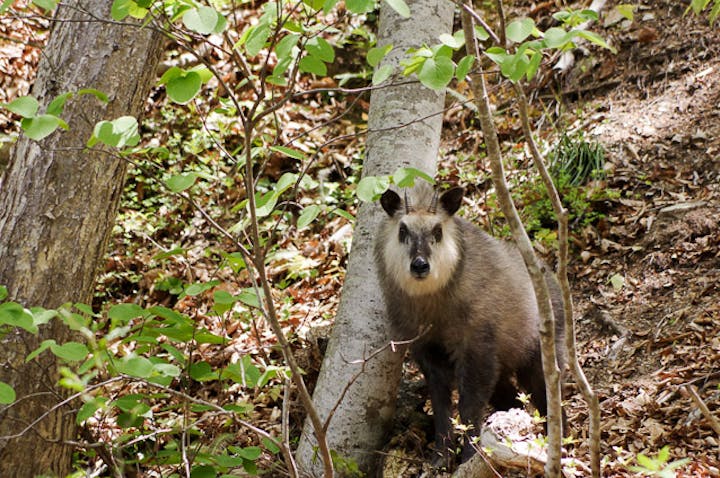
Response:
column 57, row 208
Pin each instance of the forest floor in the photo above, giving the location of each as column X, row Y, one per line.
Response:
column 645, row 275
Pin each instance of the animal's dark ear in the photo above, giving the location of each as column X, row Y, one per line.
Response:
column 390, row 201
column 451, row 199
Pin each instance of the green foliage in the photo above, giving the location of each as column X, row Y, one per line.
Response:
column 699, row 6
column 658, row 465
column 574, row 163
column 370, row 188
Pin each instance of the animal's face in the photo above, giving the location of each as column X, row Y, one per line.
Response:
column 421, row 249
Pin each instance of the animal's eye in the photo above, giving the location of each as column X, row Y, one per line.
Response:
column 437, row 233
column 403, row 233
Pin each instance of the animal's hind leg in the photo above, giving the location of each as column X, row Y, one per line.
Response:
column 532, row 379
column 505, row 396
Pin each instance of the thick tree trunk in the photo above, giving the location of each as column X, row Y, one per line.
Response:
column 404, row 124
column 57, row 208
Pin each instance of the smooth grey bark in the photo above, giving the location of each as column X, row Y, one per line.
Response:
column 57, row 208
column 404, row 131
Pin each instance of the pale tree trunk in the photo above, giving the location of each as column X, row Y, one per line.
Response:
column 404, row 124
column 57, row 208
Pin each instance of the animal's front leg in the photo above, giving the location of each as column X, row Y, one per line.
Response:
column 477, row 374
column 438, row 372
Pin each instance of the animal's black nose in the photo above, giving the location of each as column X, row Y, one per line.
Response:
column 420, row 267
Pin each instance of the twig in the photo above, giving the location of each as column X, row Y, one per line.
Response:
column 703, row 408
column 562, row 215
column 547, row 329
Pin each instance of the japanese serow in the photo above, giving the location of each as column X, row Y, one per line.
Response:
column 468, row 299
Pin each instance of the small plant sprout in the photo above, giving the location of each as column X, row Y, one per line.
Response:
column 658, row 465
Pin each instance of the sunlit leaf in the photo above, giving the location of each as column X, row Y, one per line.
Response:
column 382, row 74
column 181, row 182
column 400, row 7
column 405, row 177
column 41, row 126
column 136, row 366
column 436, row 73
column 519, row 30
column 256, row 39
column 25, row 106
column 183, row 88
column 308, row 215
column 7, row 394
column 376, row 54
column 312, row 64
column 371, row 187
column 70, row 351
column 203, row 20
column 464, row 66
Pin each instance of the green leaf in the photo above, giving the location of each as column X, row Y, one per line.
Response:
column 203, row 20
column 251, row 453
column 47, row 5
column 56, row 106
column 96, row 93
column 284, row 47
column 405, row 177
column 7, row 394
column 117, row 133
column 25, row 106
column 436, row 73
column 89, row 408
column 202, row 372
column 41, row 126
column 181, row 182
column 593, row 37
column 70, row 351
column 376, row 54
column 453, row 41
column 480, row 33
column 256, row 39
column 125, row 312
column 12, row 313
column 136, row 367
column 199, row 287
column 382, row 74
column 519, row 30
column 312, row 64
column 556, row 37
column 120, row 9
column 167, row 369
column 626, row 10
column 46, row 344
column 270, row 445
column 534, row 65
column 497, row 54
column 3, row 7
column 3, row 292
column 249, row 297
column 329, row 5
column 308, row 215
column 183, row 88
column 320, row 48
column 617, row 281
column 360, row 6
column 292, row 153
column 203, row 471
column 464, row 66
column 371, row 187
column 400, row 7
